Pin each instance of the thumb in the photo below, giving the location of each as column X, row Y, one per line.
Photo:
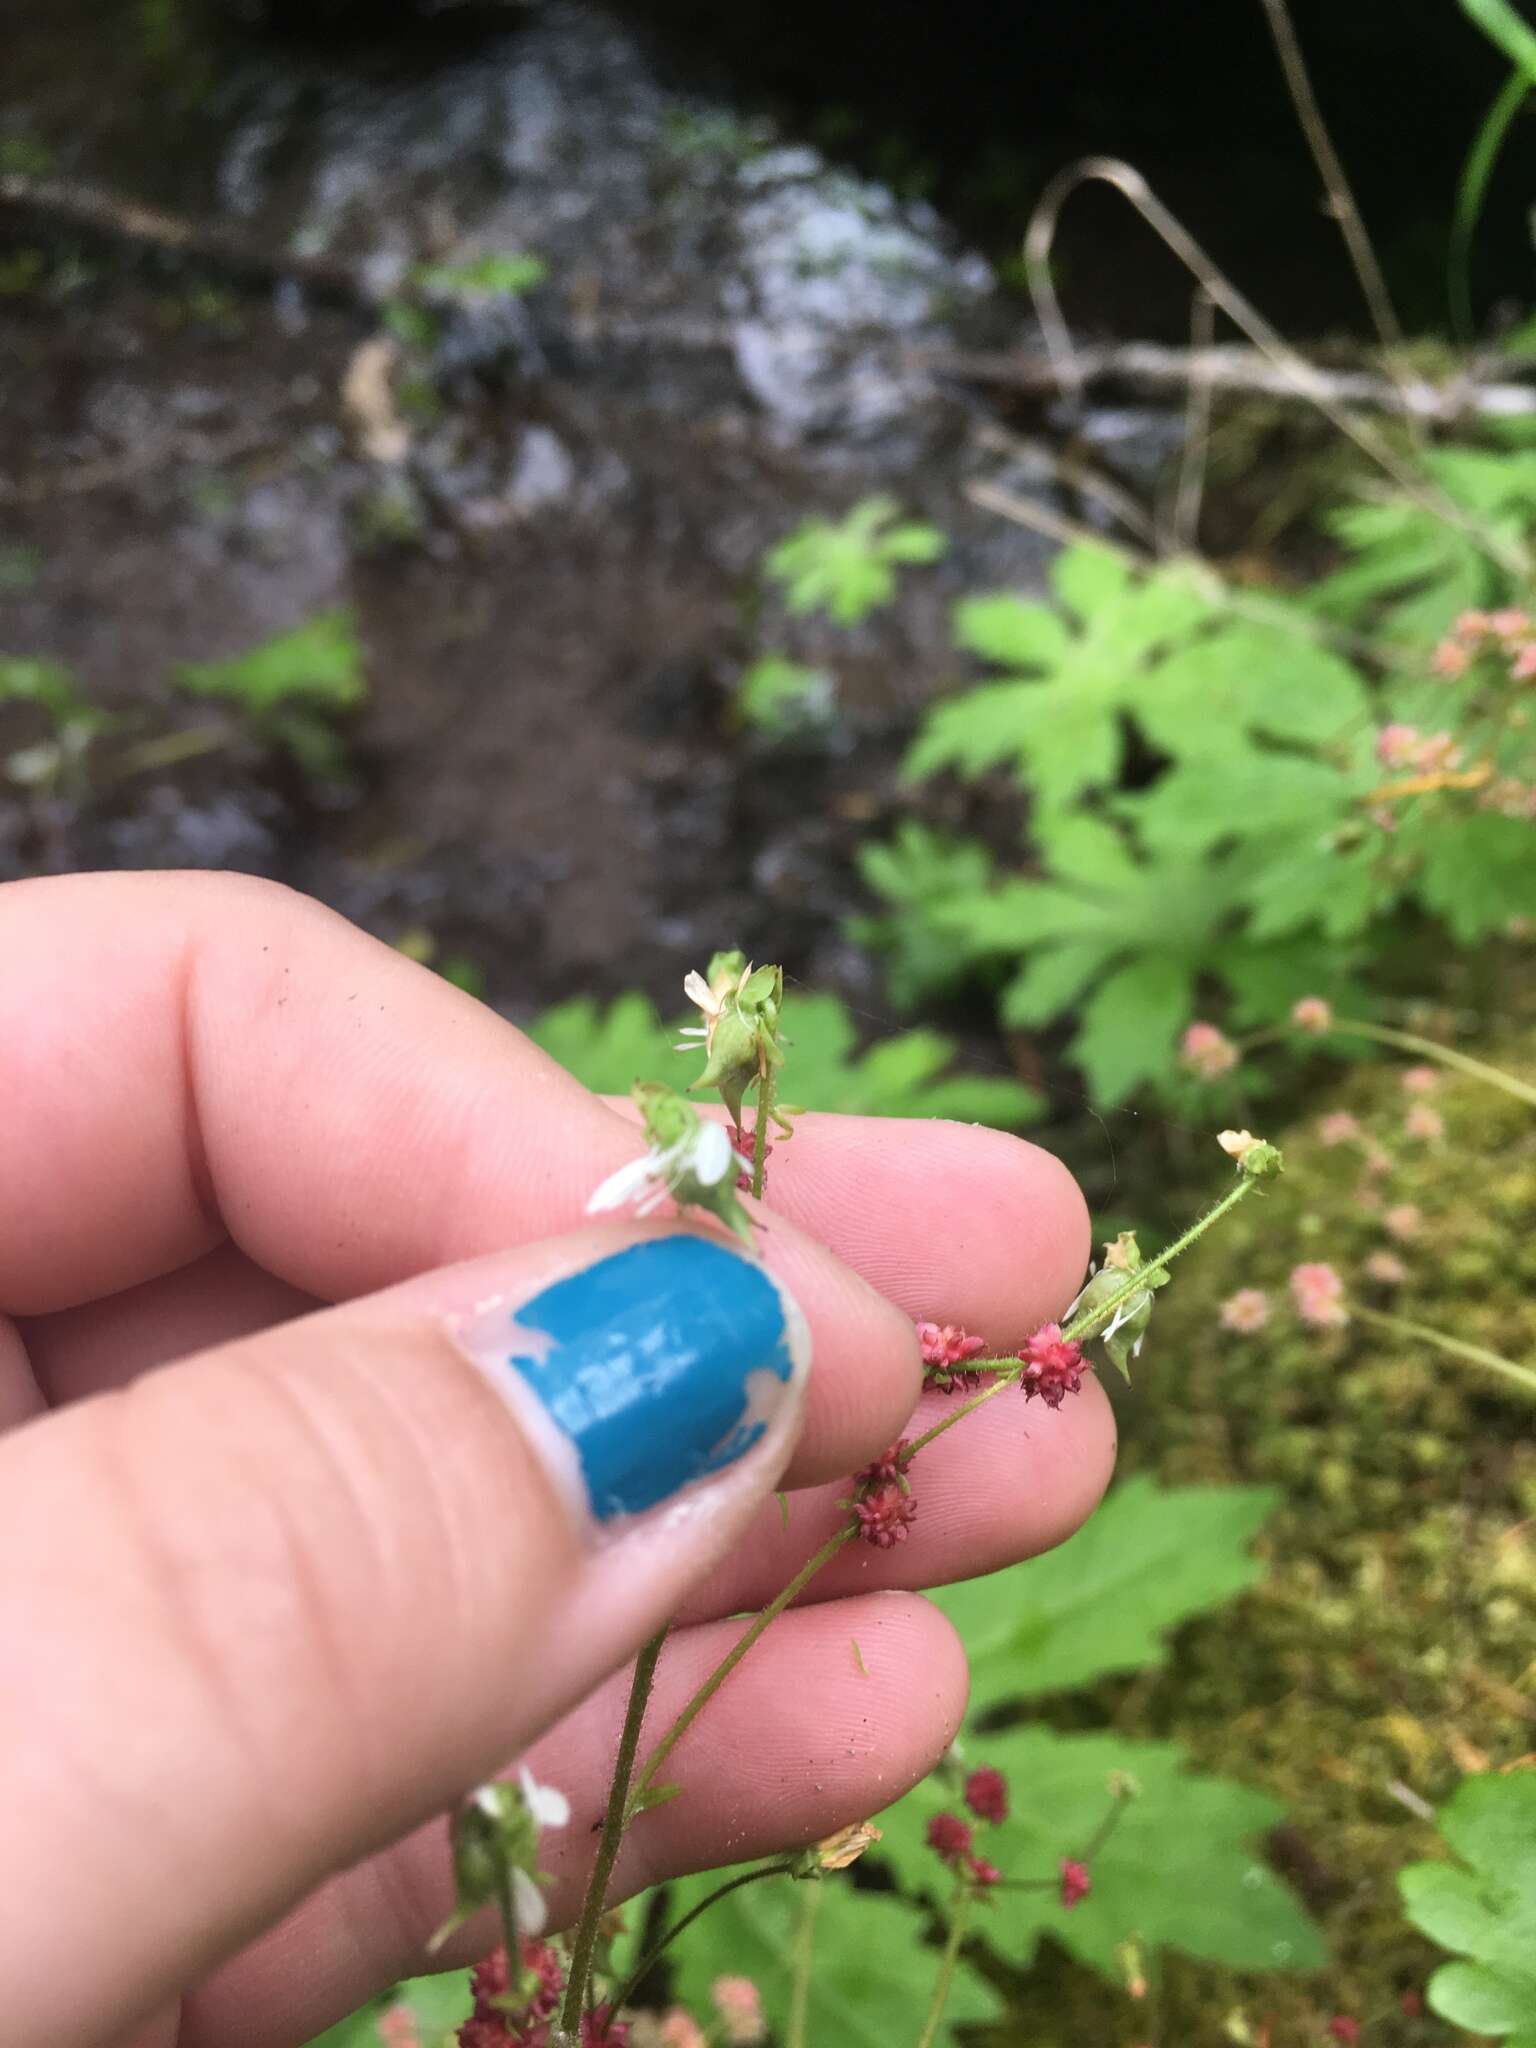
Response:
column 273, row 1606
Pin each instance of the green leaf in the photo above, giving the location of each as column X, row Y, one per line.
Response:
column 1104, row 1600
column 907, row 1074
column 1007, row 630
column 607, row 1050
column 780, row 696
column 28, row 679
column 1478, row 872
column 1503, row 26
column 1484, row 1906
column 317, row 667
column 872, row 1976
column 656, row 1795
column 1244, row 794
column 1129, row 1025
column 1179, row 1869
column 846, row 567
column 914, row 873
column 489, row 276
column 1088, row 578
column 1413, row 570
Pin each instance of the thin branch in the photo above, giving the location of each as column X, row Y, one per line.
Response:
column 1245, row 373
column 66, row 203
column 1341, row 199
column 1190, row 493
column 1125, row 179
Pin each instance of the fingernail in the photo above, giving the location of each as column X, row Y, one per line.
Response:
column 646, row 1373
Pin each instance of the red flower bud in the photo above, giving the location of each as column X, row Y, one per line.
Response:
column 1075, row 1882
column 949, row 1837
column 986, row 1794
column 885, row 1516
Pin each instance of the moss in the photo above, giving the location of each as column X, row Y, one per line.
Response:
column 1390, row 1648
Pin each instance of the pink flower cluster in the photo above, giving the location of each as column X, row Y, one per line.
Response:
column 1245, row 1311
column 1053, row 1366
column 740, row 2005
column 1404, row 746
column 1318, row 1293
column 945, row 1348
column 953, row 1840
column 498, row 2022
column 1076, row 1883
column 1507, row 636
column 1313, row 1014
column 1207, row 1051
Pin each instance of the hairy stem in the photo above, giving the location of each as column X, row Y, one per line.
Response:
column 615, row 1818
column 760, row 1131
column 1429, row 1049
column 1458, row 1347
column 1081, row 1325
column 1341, row 199
column 800, row 1982
column 649, row 1960
column 733, row 1657
column 959, row 1913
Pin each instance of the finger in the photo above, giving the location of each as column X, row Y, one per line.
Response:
column 800, row 1741
column 991, row 1231
column 192, row 1054
column 290, row 1598
column 221, row 1056
column 1008, row 1482
column 103, row 1345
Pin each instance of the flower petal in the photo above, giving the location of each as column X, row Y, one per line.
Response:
column 528, row 1904
column 549, row 1806
column 713, row 1154
column 624, row 1184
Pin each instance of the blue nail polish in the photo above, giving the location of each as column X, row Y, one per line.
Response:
column 658, row 1366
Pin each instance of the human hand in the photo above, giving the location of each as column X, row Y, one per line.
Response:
column 267, row 1612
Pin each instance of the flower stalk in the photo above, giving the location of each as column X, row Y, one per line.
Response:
column 618, row 1811
column 1457, row 1347
column 959, row 1915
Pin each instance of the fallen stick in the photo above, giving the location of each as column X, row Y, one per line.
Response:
column 1244, row 372
column 63, row 202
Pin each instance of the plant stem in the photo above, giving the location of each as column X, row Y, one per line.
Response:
column 800, row 1984
column 1341, row 199
column 1080, row 1325
column 649, row 1961
column 976, row 1401
column 733, row 1657
column 760, row 1131
column 584, row 1943
column 1430, row 1049
column 1458, row 1347
column 959, row 1914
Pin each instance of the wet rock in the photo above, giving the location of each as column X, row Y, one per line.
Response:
column 554, row 562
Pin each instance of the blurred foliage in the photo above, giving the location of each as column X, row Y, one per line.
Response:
column 1483, row 1907
column 1106, row 1598
column 909, row 1074
column 778, row 696
column 1387, row 1650
column 1272, row 847
column 847, row 567
column 291, row 690
column 871, row 1972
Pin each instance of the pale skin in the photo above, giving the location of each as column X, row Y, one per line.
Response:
column 267, row 1611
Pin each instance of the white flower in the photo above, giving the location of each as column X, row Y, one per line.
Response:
column 703, row 1154
column 528, row 1903
column 712, row 1002
column 550, row 1808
